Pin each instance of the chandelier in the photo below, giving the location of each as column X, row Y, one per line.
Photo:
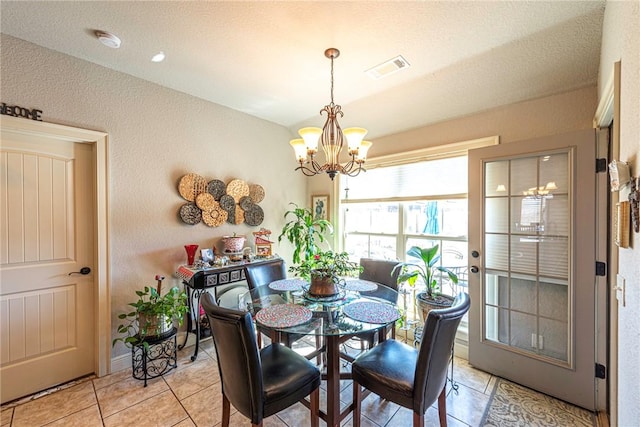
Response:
column 331, row 137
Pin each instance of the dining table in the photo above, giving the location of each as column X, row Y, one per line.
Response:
column 286, row 307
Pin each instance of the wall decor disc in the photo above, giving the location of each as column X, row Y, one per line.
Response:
column 190, row 214
column 237, row 188
column 254, row 216
column 191, row 185
column 206, row 202
column 215, row 217
column 217, row 188
column 239, row 215
column 246, row 203
column 227, row 203
column 256, row 192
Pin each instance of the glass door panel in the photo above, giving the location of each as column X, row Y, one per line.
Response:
column 526, row 234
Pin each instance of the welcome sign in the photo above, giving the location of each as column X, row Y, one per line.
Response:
column 17, row 111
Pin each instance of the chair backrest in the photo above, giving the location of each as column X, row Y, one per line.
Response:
column 265, row 273
column 379, row 271
column 436, row 345
column 238, row 357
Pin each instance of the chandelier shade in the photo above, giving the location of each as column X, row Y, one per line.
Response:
column 331, row 138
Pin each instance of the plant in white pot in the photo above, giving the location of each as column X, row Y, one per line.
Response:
column 426, row 269
column 154, row 314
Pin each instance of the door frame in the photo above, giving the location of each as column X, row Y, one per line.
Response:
column 608, row 113
column 98, row 141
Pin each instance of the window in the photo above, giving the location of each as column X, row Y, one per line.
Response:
column 399, row 206
column 413, row 199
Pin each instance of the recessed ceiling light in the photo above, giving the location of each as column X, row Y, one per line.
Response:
column 388, row 67
column 108, row 39
column 158, row 57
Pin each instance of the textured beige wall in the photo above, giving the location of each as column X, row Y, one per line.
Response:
column 156, row 135
column 621, row 42
column 551, row 115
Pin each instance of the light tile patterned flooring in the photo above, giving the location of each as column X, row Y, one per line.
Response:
column 190, row 396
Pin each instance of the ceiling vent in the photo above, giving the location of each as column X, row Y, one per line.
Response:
column 388, row 67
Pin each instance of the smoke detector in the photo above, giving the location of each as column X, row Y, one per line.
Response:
column 108, row 39
column 388, row 67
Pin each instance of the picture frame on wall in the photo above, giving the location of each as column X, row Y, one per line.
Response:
column 320, row 206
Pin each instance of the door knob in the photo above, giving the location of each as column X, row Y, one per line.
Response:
column 84, row 271
column 474, row 269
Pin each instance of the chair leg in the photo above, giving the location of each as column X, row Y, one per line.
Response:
column 259, row 339
column 315, row 407
column 318, row 345
column 226, row 411
column 357, row 403
column 418, row 420
column 442, row 406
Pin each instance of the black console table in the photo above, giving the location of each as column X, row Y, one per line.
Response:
column 197, row 281
column 154, row 356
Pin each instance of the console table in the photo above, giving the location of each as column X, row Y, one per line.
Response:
column 197, row 281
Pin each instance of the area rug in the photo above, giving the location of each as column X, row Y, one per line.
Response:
column 513, row 405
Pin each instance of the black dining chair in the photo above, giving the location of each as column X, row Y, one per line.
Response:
column 258, row 383
column 379, row 271
column 263, row 274
column 410, row 377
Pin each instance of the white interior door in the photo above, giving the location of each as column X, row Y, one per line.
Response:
column 47, row 323
column 532, row 226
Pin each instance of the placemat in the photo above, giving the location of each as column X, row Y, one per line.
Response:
column 360, row 285
column 371, row 312
column 283, row 315
column 294, row 284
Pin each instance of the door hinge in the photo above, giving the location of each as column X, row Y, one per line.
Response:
column 601, row 165
column 601, row 268
column 601, row 371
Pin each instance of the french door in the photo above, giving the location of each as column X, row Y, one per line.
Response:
column 532, row 222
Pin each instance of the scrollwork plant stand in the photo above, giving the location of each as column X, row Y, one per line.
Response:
column 158, row 357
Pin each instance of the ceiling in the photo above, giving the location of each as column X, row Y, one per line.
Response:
column 267, row 58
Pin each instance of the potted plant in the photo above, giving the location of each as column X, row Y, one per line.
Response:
column 154, row 314
column 426, row 270
column 325, row 270
column 305, row 232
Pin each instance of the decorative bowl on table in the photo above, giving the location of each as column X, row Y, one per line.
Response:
column 233, row 244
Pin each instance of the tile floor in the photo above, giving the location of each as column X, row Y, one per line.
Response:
column 190, row 396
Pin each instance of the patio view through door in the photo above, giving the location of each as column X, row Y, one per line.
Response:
column 532, row 257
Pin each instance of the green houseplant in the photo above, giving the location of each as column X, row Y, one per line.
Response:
column 304, row 231
column 426, row 270
column 327, row 264
column 153, row 314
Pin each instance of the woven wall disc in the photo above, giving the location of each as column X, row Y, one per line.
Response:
column 239, row 215
column 256, row 192
column 217, row 188
column 191, row 185
column 227, row 203
column 237, row 188
column 231, row 218
column 215, row 217
column 254, row 216
column 246, row 203
column 190, row 214
column 206, row 202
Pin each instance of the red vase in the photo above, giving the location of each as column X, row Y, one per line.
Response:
column 191, row 253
